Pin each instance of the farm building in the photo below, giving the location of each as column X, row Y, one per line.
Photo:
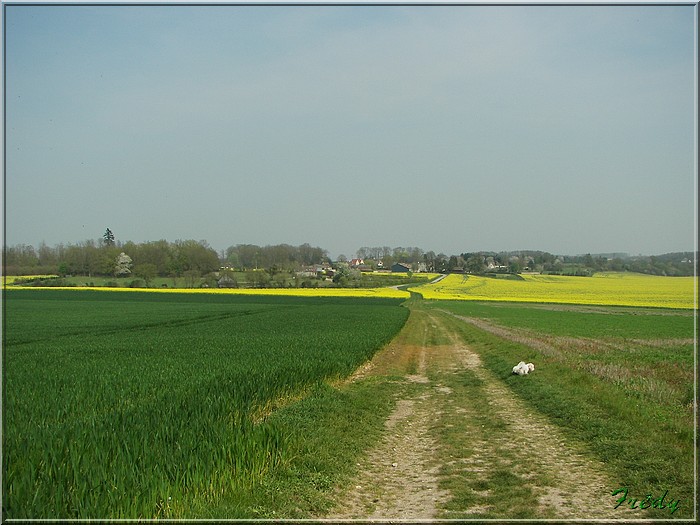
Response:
column 316, row 270
column 401, row 267
column 226, row 281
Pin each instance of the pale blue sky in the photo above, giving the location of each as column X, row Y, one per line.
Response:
column 568, row 129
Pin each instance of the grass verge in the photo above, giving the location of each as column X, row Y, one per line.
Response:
column 647, row 443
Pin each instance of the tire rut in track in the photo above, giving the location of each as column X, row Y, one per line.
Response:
column 398, row 479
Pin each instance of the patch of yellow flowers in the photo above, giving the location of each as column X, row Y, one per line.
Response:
column 613, row 289
column 391, row 293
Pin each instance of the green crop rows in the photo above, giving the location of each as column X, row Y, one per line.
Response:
column 120, row 405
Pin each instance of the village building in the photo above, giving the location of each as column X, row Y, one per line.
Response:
column 401, row 267
column 226, row 281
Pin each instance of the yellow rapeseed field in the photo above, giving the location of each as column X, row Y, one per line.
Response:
column 615, row 289
column 387, row 292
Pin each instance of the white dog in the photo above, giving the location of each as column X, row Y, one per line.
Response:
column 523, row 368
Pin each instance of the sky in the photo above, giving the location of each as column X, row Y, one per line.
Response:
column 569, row 129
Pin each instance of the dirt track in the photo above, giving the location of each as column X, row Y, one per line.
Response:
column 408, row 475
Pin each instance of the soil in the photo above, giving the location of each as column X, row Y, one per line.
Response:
column 398, row 479
column 401, row 477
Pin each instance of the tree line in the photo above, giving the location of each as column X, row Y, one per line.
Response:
column 182, row 258
column 282, row 257
column 101, row 258
column 513, row 262
column 670, row 264
column 190, row 258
